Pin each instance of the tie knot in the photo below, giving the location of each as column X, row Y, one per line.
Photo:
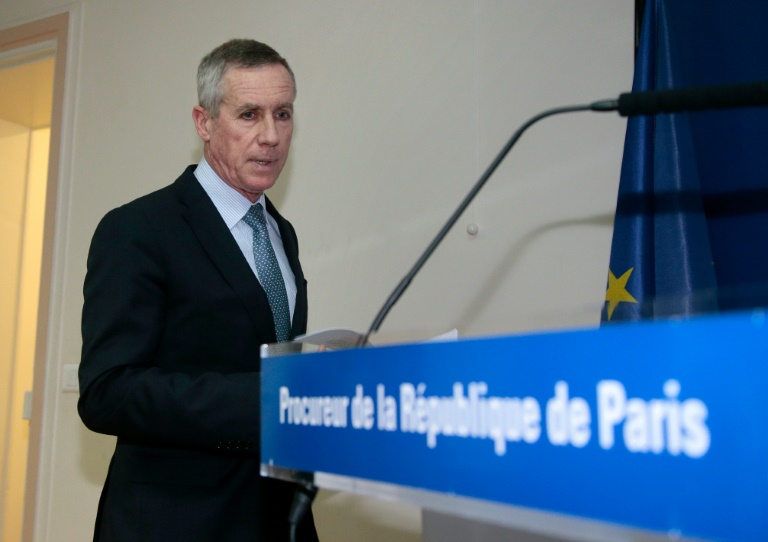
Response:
column 255, row 217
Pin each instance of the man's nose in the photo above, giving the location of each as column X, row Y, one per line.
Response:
column 267, row 134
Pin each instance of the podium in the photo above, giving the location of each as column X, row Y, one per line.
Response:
column 646, row 430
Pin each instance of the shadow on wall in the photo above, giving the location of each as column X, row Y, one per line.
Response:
column 514, row 254
column 343, row 517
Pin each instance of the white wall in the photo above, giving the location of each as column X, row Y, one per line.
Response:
column 401, row 104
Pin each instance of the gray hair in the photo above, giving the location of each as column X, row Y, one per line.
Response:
column 239, row 53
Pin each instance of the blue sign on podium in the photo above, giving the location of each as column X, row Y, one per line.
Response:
column 659, row 426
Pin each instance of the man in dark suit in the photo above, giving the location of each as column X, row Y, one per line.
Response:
column 183, row 286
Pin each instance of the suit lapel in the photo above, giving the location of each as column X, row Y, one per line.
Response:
column 288, row 236
column 291, row 248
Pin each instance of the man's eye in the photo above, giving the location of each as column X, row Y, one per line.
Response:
column 283, row 115
column 248, row 115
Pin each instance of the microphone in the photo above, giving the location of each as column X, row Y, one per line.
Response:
column 689, row 99
column 628, row 104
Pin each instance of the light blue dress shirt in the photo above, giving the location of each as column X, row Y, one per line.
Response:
column 232, row 207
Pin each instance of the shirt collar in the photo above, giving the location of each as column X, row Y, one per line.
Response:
column 231, row 204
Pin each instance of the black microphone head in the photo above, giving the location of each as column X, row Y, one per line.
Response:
column 694, row 99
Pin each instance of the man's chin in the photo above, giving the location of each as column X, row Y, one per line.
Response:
column 258, row 185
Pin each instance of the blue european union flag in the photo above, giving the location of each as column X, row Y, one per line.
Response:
column 693, row 193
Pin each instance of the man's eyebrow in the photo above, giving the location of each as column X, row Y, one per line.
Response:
column 256, row 107
column 247, row 107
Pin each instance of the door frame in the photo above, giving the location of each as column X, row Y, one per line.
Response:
column 53, row 28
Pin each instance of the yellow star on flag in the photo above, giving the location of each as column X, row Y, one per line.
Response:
column 617, row 291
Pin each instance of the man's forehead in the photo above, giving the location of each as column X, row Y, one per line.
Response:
column 268, row 80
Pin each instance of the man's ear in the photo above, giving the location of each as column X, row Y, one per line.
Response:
column 200, row 117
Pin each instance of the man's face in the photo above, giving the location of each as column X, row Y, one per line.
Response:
column 247, row 143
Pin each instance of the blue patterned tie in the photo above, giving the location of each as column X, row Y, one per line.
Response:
column 269, row 271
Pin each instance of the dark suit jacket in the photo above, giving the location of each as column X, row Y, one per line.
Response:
column 172, row 323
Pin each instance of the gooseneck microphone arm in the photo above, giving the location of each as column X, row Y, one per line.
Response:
column 605, row 105
column 754, row 94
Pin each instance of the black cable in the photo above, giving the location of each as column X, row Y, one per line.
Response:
column 302, row 501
